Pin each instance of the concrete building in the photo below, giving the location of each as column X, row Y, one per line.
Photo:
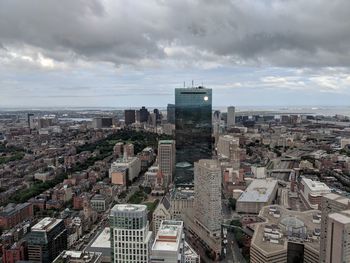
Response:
column 338, row 239
column 168, row 245
column 99, row 203
column 259, row 171
column 331, row 203
column 231, row 116
column 312, row 192
column 162, row 212
column 181, row 199
column 207, row 189
column 171, row 113
column 118, row 149
column 130, row 237
column 259, row 193
column 119, row 175
column 167, row 159
column 132, row 164
column 102, row 122
column 46, row 240
column 69, row 256
column 286, row 236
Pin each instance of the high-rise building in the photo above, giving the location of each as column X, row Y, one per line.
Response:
column 129, row 150
column 144, row 113
column 30, row 120
column 193, row 121
column 338, row 238
column 207, row 190
column 166, row 159
column 129, row 116
column 231, row 116
column 130, row 237
column 331, row 203
column 171, row 113
column 169, row 242
column 46, row 240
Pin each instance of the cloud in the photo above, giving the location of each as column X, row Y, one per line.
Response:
column 180, row 32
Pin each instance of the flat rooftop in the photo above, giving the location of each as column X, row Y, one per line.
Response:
column 128, row 208
column 46, row 224
column 278, row 223
column 101, row 243
column 259, row 190
column 169, row 236
column 316, row 186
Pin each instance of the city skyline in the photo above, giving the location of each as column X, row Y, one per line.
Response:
column 116, row 55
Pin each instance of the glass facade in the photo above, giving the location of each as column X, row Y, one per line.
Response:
column 193, row 121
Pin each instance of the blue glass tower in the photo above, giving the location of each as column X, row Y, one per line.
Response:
column 193, row 121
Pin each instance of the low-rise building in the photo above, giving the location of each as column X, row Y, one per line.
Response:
column 312, row 192
column 99, row 203
column 259, row 193
column 69, row 256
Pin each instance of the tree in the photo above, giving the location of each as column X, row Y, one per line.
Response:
column 232, row 203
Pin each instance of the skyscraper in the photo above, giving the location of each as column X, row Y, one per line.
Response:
column 166, row 159
column 193, row 121
column 171, row 113
column 130, row 237
column 332, row 203
column 207, row 199
column 129, row 117
column 144, row 113
column 47, row 240
column 231, row 116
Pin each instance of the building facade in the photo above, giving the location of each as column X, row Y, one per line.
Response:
column 130, row 237
column 231, row 116
column 193, row 130
column 47, row 240
column 166, row 159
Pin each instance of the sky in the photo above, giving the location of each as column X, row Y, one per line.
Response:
column 128, row 53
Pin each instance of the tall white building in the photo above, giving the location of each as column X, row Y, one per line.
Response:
column 168, row 245
column 166, row 159
column 130, row 237
column 207, row 188
column 231, row 115
column 228, row 148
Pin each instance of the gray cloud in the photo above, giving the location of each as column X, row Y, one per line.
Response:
column 275, row 32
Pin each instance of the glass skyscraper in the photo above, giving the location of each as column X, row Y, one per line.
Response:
column 193, row 121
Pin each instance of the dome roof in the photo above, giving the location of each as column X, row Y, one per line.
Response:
column 292, row 222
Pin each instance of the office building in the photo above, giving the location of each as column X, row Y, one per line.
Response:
column 312, row 192
column 171, row 113
column 228, row 148
column 99, row 203
column 102, row 122
column 205, row 218
column 69, row 256
column 46, row 240
column 129, row 117
column 286, row 236
column 144, row 113
column 231, row 116
column 130, row 237
column 193, row 131
column 207, row 190
column 338, row 238
column 168, row 245
column 30, row 120
column 332, row 204
column 190, row 255
column 133, row 166
column 118, row 149
column 166, row 159
column 181, row 199
column 259, row 193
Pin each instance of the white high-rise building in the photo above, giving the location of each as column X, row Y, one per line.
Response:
column 168, row 245
column 166, row 159
column 231, row 115
column 130, row 237
column 207, row 188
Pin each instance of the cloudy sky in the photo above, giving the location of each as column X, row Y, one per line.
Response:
column 119, row 53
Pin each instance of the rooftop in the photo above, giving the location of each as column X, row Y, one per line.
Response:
column 316, row 185
column 46, row 224
column 129, row 208
column 288, row 225
column 259, row 190
column 169, row 236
